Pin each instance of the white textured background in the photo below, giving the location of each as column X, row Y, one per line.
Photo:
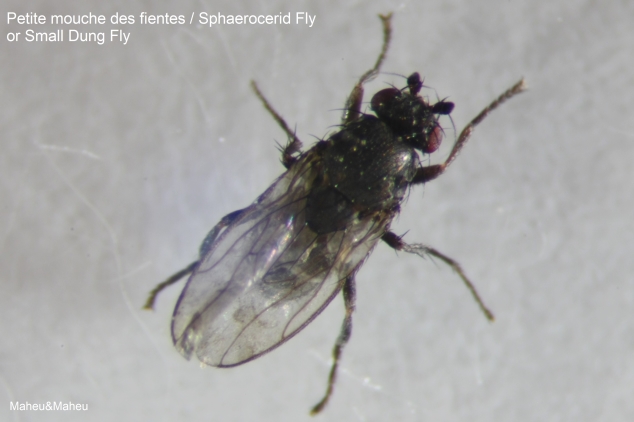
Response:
column 116, row 161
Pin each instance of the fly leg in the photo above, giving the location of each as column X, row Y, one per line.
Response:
column 149, row 303
column 206, row 245
column 425, row 174
column 349, row 298
column 421, row 250
column 293, row 145
column 352, row 109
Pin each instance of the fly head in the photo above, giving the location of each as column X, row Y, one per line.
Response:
column 410, row 116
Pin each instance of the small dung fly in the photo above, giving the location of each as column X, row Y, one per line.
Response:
column 267, row 270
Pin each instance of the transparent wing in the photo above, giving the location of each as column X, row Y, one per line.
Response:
column 267, row 275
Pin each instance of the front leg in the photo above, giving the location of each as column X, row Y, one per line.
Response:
column 425, row 174
column 352, row 110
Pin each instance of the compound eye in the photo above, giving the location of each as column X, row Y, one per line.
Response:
column 383, row 99
column 443, row 107
column 434, row 140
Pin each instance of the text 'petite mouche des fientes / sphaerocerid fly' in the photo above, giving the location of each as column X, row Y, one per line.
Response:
column 118, row 35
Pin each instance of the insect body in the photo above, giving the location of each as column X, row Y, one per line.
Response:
column 266, row 271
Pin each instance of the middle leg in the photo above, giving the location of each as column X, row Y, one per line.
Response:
column 293, row 145
column 421, row 250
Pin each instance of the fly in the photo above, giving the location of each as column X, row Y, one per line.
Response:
column 266, row 271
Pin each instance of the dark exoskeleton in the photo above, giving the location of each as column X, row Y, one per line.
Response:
column 266, row 271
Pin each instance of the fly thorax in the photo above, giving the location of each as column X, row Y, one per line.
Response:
column 368, row 164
